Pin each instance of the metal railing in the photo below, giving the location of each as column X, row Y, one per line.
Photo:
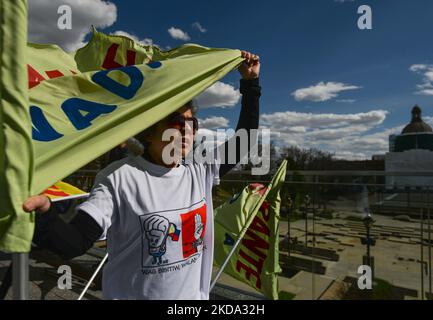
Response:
column 358, row 193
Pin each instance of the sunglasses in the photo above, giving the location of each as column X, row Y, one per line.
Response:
column 178, row 120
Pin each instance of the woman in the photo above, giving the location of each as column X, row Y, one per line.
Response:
column 155, row 214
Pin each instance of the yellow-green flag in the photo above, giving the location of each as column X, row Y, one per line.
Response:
column 83, row 104
column 16, row 155
column 118, row 89
column 253, row 215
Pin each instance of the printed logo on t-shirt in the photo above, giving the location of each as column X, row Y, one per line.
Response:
column 157, row 229
column 172, row 238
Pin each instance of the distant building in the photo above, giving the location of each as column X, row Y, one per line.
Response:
column 417, row 135
column 412, row 152
column 378, row 157
column 392, row 138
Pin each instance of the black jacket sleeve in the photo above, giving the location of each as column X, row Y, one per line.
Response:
column 248, row 119
column 68, row 240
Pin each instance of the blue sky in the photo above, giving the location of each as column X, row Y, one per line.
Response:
column 313, row 46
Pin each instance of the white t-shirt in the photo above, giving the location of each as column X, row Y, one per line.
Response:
column 159, row 228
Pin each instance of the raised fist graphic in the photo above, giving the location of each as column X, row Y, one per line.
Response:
column 156, row 230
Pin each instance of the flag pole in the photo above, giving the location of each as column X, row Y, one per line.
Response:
column 241, row 235
column 20, row 276
column 20, row 265
column 73, row 197
column 15, row 101
column 245, row 228
column 80, row 196
column 93, row 277
column 226, row 261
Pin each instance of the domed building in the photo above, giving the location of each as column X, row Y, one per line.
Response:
column 416, row 135
column 411, row 151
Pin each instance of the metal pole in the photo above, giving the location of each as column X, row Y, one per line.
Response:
column 289, row 211
column 408, row 196
column 368, row 245
column 422, row 253
column 93, row 277
column 429, row 250
column 313, row 283
column 220, row 271
column 20, row 276
column 306, row 220
column 306, row 227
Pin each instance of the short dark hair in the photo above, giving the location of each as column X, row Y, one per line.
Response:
column 193, row 105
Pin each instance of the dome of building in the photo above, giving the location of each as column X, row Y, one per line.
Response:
column 417, row 125
column 415, row 136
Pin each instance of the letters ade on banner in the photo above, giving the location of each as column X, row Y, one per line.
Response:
column 72, row 107
column 78, row 117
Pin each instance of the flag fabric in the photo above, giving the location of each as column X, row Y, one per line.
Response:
column 16, row 156
column 114, row 89
column 83, row 104
column 253, row 216
column 61, row 190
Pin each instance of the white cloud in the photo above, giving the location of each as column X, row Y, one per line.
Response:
column 288, row 119
column 297, row 129
column 43, row 19
column 426, row 70
column 322, row 91
column 212, row 136
column 218, row 95
column 178, row 34
column 199, row 27
column 418, row 67
column 426, row 85
column 213, row 122
column 426, row 92
column 349, row 136
column 144, row 42
column 429, row 75
column 346, row 100
column 336, row 133
column 428, row 120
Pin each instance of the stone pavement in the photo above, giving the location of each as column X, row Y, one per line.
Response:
column 397, row 252
column 43, row 281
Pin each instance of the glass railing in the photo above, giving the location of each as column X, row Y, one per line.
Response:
column 329, row 246
column 351, row 234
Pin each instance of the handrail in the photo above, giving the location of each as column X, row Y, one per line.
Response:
column 347, row 173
